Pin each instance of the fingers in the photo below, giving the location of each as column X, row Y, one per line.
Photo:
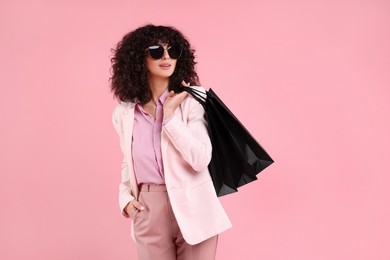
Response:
column 185, row 83
column 137, row 205
column 182, row 95
column 179, row 96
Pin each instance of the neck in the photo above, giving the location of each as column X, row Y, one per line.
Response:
column 158, row 86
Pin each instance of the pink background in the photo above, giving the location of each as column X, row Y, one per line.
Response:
column 309, row 79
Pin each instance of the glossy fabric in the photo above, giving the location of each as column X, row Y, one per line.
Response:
column 237, row 157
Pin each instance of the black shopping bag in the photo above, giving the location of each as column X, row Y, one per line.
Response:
column 236, row 156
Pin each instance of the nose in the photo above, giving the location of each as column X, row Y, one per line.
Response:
column 166, row 54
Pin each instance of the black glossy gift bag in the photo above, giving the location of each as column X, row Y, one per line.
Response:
column 236, row 156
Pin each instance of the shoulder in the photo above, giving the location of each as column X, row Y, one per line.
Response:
column 198, row 93
column 121, row 108
column 191, row 106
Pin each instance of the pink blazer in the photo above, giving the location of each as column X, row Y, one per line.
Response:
column 186, row 153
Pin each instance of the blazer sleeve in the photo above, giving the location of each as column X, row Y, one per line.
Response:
column 191, row 139
column 125, row 194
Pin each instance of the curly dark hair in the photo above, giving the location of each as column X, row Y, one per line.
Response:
column 129, row 80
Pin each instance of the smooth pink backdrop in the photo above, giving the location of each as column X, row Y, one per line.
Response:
column 309, row 79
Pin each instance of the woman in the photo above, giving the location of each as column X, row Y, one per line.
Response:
column 166, row 188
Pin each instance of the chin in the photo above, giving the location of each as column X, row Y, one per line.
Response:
column 166, row 75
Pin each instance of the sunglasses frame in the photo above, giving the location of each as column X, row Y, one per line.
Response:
column 168, row 49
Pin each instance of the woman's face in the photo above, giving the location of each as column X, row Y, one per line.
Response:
column 163, row 67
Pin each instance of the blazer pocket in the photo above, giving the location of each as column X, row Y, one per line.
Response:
column 133, row 212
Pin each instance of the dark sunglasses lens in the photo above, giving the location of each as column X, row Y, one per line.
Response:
column 156, row 52
column 174, row 52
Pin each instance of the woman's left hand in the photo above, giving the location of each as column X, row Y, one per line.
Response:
column 174, row 100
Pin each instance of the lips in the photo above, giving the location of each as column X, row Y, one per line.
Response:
column 165, row 66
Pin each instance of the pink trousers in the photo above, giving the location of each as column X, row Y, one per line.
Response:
column 157, row 234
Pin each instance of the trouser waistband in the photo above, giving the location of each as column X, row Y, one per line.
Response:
column 152, row 187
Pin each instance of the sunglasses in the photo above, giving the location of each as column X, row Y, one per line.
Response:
column 157, row 51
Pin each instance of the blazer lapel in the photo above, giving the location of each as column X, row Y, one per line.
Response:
column 128, row 124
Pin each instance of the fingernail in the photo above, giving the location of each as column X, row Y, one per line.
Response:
column 142, row 208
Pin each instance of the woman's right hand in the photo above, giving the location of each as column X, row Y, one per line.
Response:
column 133, row 204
